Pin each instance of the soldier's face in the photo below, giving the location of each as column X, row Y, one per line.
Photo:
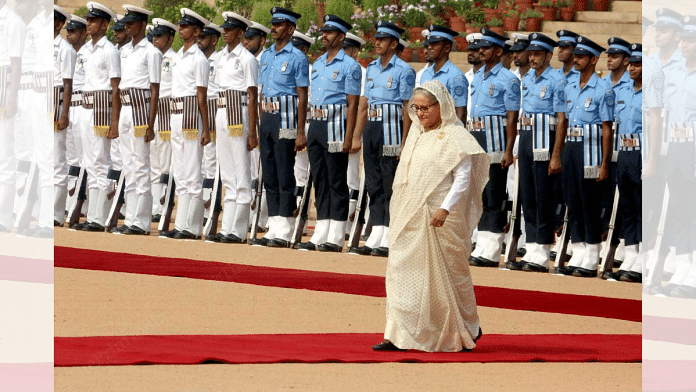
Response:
column 186, row 31
column 688, row 47
column 253, row 44
column 207, row 42
column 438, row 50
column 120, row 36
column 75, row 36
column 521, row 59
column 635, row 71
column 330, row 39
column 615, row 61
column 95, row 25
column 229, row 35
column 382, row 45
column 134, row 28
column 473, row 56
column 581, row 61
column 57, row 25
column 565, row 53
column 351, row 51
column 664, row 36
column 282, row 30
column 487, row 52
column 161, row 41
column 537, row 58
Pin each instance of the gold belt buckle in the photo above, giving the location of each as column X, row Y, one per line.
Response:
column 628, row 142
column 374, row 113
column 527, row 121
column 317, row 113
column 222, row 102
column 681, row 133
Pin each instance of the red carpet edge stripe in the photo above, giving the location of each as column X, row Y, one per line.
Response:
column 373, row 286
column 681, row 331
column 20, row 269
column 341, row 348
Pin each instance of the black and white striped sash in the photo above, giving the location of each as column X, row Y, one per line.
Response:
column 76, row 99
column 164, row 116
column 494, row 128
column 139, row 101
column 188, row 106
column 42, row 82
column 390, row 115
column 4, row 85
column 286, row 105
column 334, row 115
column 100, row 101
column 542, row 125
column 212, row 112
column 233, row 101
column 590, row 135
column 57, row 101
column 26, row 81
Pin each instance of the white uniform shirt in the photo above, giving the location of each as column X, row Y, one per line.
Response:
column 169, row 60
column 362, row 84
column 470, row 77
column 191, row 72
column 103, row 63
column 420, row 73
column 237, row 69
column 64, row 60
column 35, row 29
column 12, row 36
column 213, row 85
column 140, row 65
column 79, row 75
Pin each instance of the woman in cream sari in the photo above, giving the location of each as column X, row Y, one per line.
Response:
column 434, row 208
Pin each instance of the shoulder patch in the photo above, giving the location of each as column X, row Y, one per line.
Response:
column 610, row 97
column 458, row 86
column 561, row 94
column 411, row 79
column 515, row 86
column 356, row 72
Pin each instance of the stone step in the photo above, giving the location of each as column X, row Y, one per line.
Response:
column 627, row 6
column 464, row 66
column 632, row 36
column 592, row 29
column 608, row 17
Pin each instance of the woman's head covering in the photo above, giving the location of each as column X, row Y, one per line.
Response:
column 447, row 111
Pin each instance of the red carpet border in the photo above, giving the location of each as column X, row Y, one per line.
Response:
column 669, row 330
column 341, row 348
column 373, row 286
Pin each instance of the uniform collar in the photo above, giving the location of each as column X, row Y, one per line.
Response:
column 391, row 62
column 170, row 52
column 493, row 70
column 287, row 48
column 339, row 56
column 590, row 83
column 445, row 68
column 625, row 78
column 546, row 74
column 56, row 40
column 191, row 50
column 99, row 43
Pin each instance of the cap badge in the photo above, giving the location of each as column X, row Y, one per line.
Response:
column 273, row 10
column 326, row 18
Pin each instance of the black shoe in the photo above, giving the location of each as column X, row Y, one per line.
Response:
column 484, row 262
column 185, row 235
column 263, row 241
column 360, row 250
column 633, row 277
column 683, row 291
column 552, row 255
column 4, row 229
column 515, row 265
column 135, row 230
column 278, row 243
column 217, row 237
column 77, row 226
column 532, row 267
column 614, row 276
column 480, row 333
column 156, row 218
column 40, row 232
column 381, row 252
column 566, row 270
column 521, row 252
column 386, row 346
column 169, row 234
column 121, row 216
column 585, row 273
column 329, row 247
column 119, row 230
column 92, row 226
column 57, row 224
column 306, row 246
column 474, row 261
column 231, row 239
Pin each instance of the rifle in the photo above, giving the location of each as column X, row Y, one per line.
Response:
column 565, row 239
column 215, row 203
column 80, row 187
column 257, row 185
column 515, row 231
column 303, row 212
column 118, row 199
column 359, row 214
column 167, row 178
column 609, row 251
column 657, row 260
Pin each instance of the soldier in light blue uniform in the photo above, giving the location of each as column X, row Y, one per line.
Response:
column 335, row 85
column 494, row 106
column 586, row 156
column 629, row 117
column 284, row 74
column 440, row 41
column 566, row 44
column 542, row 135
column 382, row 120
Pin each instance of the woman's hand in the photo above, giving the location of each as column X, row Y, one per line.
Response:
column 439, row 217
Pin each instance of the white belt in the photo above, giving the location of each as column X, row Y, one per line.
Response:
column 174, row 105
column 88, row 99
column 528, row 121
column 576, row 132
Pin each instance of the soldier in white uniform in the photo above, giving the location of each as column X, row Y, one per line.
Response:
column 120, row 40
column 207, row 42
column 141, row 64
column 190, row 131
column 236, row 123
column 161, row 148
column 64, row 59
column 101, row 101
column 11, row 48
column 76, row 35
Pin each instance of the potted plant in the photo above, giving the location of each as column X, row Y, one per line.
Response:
column 473, row 16
column 580, row 5
column 523, row 5
column 532, row 19
column 547, row 9
column 365, row 57
column 364, row 24
column 458, row 21
column 567, row 11
column 415, row 19
column 600, row 5
column 496, row 25
column 511, row 17
column 490, row 9
column 474, row 27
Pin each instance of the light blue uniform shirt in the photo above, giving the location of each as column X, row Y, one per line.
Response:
column 331, row 83
column 282, row 72
column 390, row 85
column 453, row 78
column 494, row 94
column 631, row 115
column 654, row 77
column 592, row 104
column 623, row 89
column 545, row 94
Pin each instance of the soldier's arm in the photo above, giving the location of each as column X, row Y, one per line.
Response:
column 352, row 113
column 407, row 124
column 558, row 145
column 360, row 122
column 252, row 140
column 116, row 108
column 461, row 113
column 606, row 150
column 64, row 118
column 154, row 106
column 301, row 141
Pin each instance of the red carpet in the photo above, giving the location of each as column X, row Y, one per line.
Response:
column 495, row 297
column 343, row 348
column 681, row 331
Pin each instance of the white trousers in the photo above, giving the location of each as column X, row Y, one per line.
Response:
column 186, row 158
column 301, row 166
column 235, row 168
column 96, row 153
column 135, row 155
column 354, row 171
